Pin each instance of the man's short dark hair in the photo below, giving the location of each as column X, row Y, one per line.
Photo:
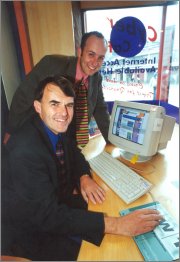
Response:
column 65, row 83
column 92, row 33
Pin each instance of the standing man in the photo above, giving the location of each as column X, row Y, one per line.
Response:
column 84, row 69
column 46, row 185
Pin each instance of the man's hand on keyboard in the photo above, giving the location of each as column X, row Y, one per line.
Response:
column 91, row 191
column 136, row 223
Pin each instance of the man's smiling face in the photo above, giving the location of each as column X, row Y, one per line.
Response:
column 92, row 55
column 55, row 108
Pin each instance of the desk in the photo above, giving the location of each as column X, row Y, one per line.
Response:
column 163, row 172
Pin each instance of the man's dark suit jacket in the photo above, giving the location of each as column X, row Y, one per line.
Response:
column 21, row 107
column 33, row 215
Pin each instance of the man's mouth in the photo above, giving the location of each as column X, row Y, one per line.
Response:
column 92, row 68
column 60, row 120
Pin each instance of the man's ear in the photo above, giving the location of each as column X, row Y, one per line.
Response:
column 37, row 106
column 79, row 52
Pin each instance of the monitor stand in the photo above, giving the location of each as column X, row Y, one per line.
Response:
column 129, row 156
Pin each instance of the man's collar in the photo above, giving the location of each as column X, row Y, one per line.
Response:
column 79, row 73
column 52, row 136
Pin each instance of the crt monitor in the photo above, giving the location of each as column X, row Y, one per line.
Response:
column 139, row 129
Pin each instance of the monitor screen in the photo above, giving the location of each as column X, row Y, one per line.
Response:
column 137, row 128
column 130, row 124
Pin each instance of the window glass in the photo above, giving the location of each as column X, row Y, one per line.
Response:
column 136, row 77
column 170, row 66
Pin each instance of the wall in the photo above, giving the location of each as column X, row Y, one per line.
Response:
column 50, row 26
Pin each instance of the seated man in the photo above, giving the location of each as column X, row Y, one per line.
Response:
column 45, row 189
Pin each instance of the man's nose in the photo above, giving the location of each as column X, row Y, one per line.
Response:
column 63, row 110
column 95, row 61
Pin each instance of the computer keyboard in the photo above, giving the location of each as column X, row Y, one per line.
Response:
column 126, row 183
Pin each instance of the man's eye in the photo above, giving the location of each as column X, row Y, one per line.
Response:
column 54, row 104
column 101, row 58
column 91, row 54
column 70, row 105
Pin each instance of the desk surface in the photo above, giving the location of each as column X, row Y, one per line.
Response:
column 163, row 172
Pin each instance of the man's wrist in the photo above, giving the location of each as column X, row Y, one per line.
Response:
column 110, row 225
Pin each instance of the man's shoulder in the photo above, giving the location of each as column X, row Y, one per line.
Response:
column 58, row 58
column 26, row 135
column 59, row 64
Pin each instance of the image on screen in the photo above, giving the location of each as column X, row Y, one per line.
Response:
column 130, row 124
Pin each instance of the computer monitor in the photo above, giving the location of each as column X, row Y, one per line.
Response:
column 139, row 129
